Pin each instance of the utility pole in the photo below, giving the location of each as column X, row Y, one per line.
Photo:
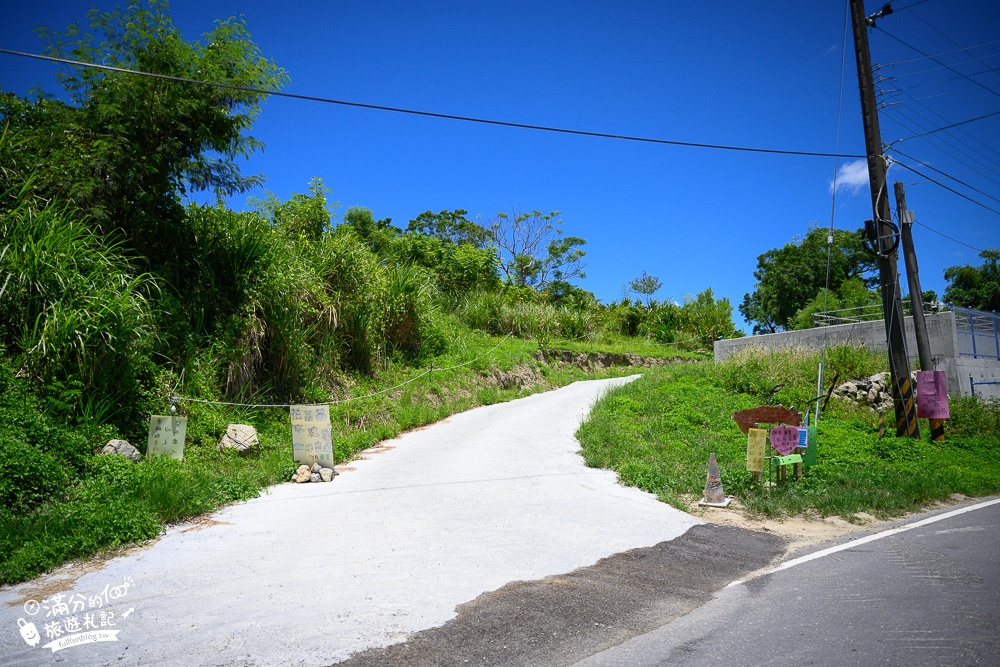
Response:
column 916, row 296
column 892, row 307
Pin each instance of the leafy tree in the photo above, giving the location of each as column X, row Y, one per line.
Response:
column 376, row 233
column 450, row 226
column 975, row 286
column 533, row 251
column 126, row 148
column 852, row 293
column 708, row 319
column 646, row 285
column 789, row 277
column 302, row 217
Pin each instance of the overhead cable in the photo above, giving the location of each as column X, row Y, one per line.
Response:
column 428, row 114
column 952, row 190
column 933, row 58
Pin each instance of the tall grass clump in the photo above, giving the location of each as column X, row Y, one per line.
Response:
column 74, row 313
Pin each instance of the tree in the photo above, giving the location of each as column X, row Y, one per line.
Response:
column 533, row 251
column 127, row 148
column 708, row 319
column 646, row 285
column 791, row 276
column 975, row 286
column 376, row 233
column 450, row 226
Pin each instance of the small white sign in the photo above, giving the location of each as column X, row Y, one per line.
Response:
column 166, row 436
column 312, row 435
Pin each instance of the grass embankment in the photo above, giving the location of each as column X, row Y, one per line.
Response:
column 658, row 431
column 61, row 502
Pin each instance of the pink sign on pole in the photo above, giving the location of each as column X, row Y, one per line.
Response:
column 784, row 439
column 932, row 395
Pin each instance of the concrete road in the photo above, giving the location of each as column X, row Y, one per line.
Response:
column 927, row 595
column 309, row 574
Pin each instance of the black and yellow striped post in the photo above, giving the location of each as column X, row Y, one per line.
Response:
column 937, row 430
column 881, row 424
column 906, row 409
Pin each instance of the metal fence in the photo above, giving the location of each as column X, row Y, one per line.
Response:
column 991, row 392
column 868, row 313
column 978, row 333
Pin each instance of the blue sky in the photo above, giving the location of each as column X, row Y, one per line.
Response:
column 764, row 74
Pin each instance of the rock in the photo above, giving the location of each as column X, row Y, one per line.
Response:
column 302, row 474
column 873, row 396
column 240, row 437
column 326, row 474
column 316, row 467
column 314, row 477
column 122, row 448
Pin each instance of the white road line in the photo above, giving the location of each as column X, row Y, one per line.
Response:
column 871, row 538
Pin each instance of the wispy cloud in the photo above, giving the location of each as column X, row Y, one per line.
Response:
column 852, row 177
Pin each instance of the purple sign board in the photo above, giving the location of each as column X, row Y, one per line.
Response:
column 784, row 439
column 932, row 395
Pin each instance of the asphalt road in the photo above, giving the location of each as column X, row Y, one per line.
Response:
column 929, row 595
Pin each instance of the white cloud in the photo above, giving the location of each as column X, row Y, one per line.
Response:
column 852, row 177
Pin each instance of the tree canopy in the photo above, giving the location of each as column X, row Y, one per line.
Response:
column 126, row 148
column 789, row 277
column 975, row 286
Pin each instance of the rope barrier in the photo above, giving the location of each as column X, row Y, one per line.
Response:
column 175, row 398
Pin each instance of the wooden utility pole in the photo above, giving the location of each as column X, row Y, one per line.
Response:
column 892, row 306
column 916, row 296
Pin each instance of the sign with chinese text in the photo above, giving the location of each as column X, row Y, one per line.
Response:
column 932, row 395
column 784, row 439
column 756, row 449
column 312, row 435
column 166, row 436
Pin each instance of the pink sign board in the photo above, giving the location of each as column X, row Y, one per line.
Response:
column 932, row 395
column 784, row 439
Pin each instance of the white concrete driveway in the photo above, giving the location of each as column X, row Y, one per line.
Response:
column 308, row 574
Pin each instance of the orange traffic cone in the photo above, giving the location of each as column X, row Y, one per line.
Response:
column 714, row 495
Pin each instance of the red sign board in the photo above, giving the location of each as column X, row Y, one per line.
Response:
column 932, row 395
column 766, row 414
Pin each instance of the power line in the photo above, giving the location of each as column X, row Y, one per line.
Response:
column 964, row 173
column 926, row 57
column 986, row 194
column 428, row 114
column 938, row 31
column 948, row 127
column 952, row 190
column 950, row 238
column 983, row 86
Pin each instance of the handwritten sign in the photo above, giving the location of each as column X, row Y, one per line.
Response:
column 312, row 435
column 766, row 414
column 784, row 439
column 166, row 436
column 932, row 395
column 756, row 449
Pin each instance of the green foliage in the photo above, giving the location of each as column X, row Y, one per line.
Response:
column 975, row 286
column 646, row 286
column 852, row 293
column 451, row 226
column 532, row 249
column 126, row 148
column 788, row 278
column 377, row 234
column 707, row 319
column 657, row 434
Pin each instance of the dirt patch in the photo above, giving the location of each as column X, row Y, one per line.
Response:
column 805, row 530
column 593, row 361
column 520, row 377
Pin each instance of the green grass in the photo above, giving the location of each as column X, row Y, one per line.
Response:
column 657, row 434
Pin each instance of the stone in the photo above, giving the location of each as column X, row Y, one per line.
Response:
column 316, row 467
column 326, row 474
column 302, row 474
column 314, row 477
column 240, row 437
column 122, row 448
column 873, row 396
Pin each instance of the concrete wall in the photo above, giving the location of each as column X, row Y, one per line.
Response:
column 941, row 334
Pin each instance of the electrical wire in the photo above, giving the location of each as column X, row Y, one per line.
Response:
column 924, row 56
column 428, row 114
column 960, row 182
column 933, row 58
column 952, row 190
column 947, row 127
column 938, row 31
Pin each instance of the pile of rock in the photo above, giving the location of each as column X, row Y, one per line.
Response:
column 121, row 448
column 874, row 392
column 315, row 473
